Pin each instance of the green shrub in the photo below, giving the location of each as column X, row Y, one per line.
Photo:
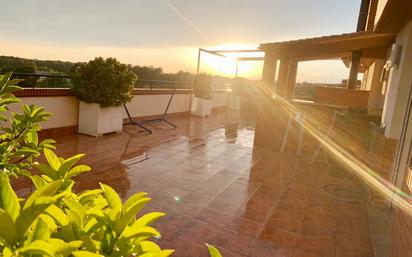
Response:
column 103, row 81
column 203, row 86
column 19, row 143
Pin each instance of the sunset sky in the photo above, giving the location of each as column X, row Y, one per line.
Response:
column 167, row 33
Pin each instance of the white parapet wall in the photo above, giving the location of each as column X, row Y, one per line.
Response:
column 220, row 99
column 65, row 109
column 149, row 105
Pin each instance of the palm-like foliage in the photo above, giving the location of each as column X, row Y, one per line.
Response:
column 55, row 221
column 19, row 143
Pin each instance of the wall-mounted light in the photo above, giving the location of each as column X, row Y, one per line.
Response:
column 395, row 57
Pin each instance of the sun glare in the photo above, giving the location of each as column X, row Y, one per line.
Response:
column 227, row 66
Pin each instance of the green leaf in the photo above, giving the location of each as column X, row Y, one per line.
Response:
column 47, row 190
column 148, row 246
column 166, row 253
column 52, row 159
column 76, row 207
column 32, row 138
column 7, row 252
column 79, row 169
column 8, row 198
column 37, row 247
column 45, row 169
column 131, row 232
column 12, row 88
column 7, row 228
column 214, row 252
column 132, row 199
column 89, row 195
column 40, row 232
column 62, row 248
column 85, row 254
column 38, row 181
column 113, row 199
column 57, row 214
column 51, row 223
column 67, row 164
column 29, row 215
column 130, row 214
column 148, row 219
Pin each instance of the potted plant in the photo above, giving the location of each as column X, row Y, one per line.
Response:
column 102, row 86
column 234, row 97
column 202, row 99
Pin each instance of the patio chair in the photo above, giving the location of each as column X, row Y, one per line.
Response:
column 299, row 118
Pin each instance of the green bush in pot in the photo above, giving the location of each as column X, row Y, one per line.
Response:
column 203, row 86
column 106, row 82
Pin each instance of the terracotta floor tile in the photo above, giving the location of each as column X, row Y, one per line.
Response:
column 229, row 206
column 324, row 245
column 234, row 242
column 197, row 199
column 290, row 220
column 214, row 217
column 282, row 239
column 318, row 224
column 247, row 200
column 244, row 226
column 264, row 248
column 254, row 211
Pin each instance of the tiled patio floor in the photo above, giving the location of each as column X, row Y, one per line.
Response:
column 217, row 188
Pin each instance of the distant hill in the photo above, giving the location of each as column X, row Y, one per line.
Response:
column 8, row 63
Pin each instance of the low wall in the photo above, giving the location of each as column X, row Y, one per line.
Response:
column 342, row 97
column 65, row 107
column 219, row 99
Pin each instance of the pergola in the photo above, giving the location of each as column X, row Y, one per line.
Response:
column 358, row 49
column 223, row 54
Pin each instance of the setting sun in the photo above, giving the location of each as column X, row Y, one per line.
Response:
column 231, row 63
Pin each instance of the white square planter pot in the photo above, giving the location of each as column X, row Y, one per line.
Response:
column 97, row 121
column 233, row 102
column 201, row 107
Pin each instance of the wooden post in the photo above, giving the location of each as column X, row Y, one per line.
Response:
column 354, row 69
column 290, row 85
column 283, row 77
column 269, row 70
column 199, row 53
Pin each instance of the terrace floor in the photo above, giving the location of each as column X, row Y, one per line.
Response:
column 217, row 188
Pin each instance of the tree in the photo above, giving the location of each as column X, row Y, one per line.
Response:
column 29, row 68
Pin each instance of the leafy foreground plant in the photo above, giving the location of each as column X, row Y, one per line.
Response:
column 19, row 143
column 55, row 221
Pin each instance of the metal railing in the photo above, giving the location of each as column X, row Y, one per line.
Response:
column 162, row 84
column 39, row 80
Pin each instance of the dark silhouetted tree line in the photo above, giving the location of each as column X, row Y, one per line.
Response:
column 48, row 67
